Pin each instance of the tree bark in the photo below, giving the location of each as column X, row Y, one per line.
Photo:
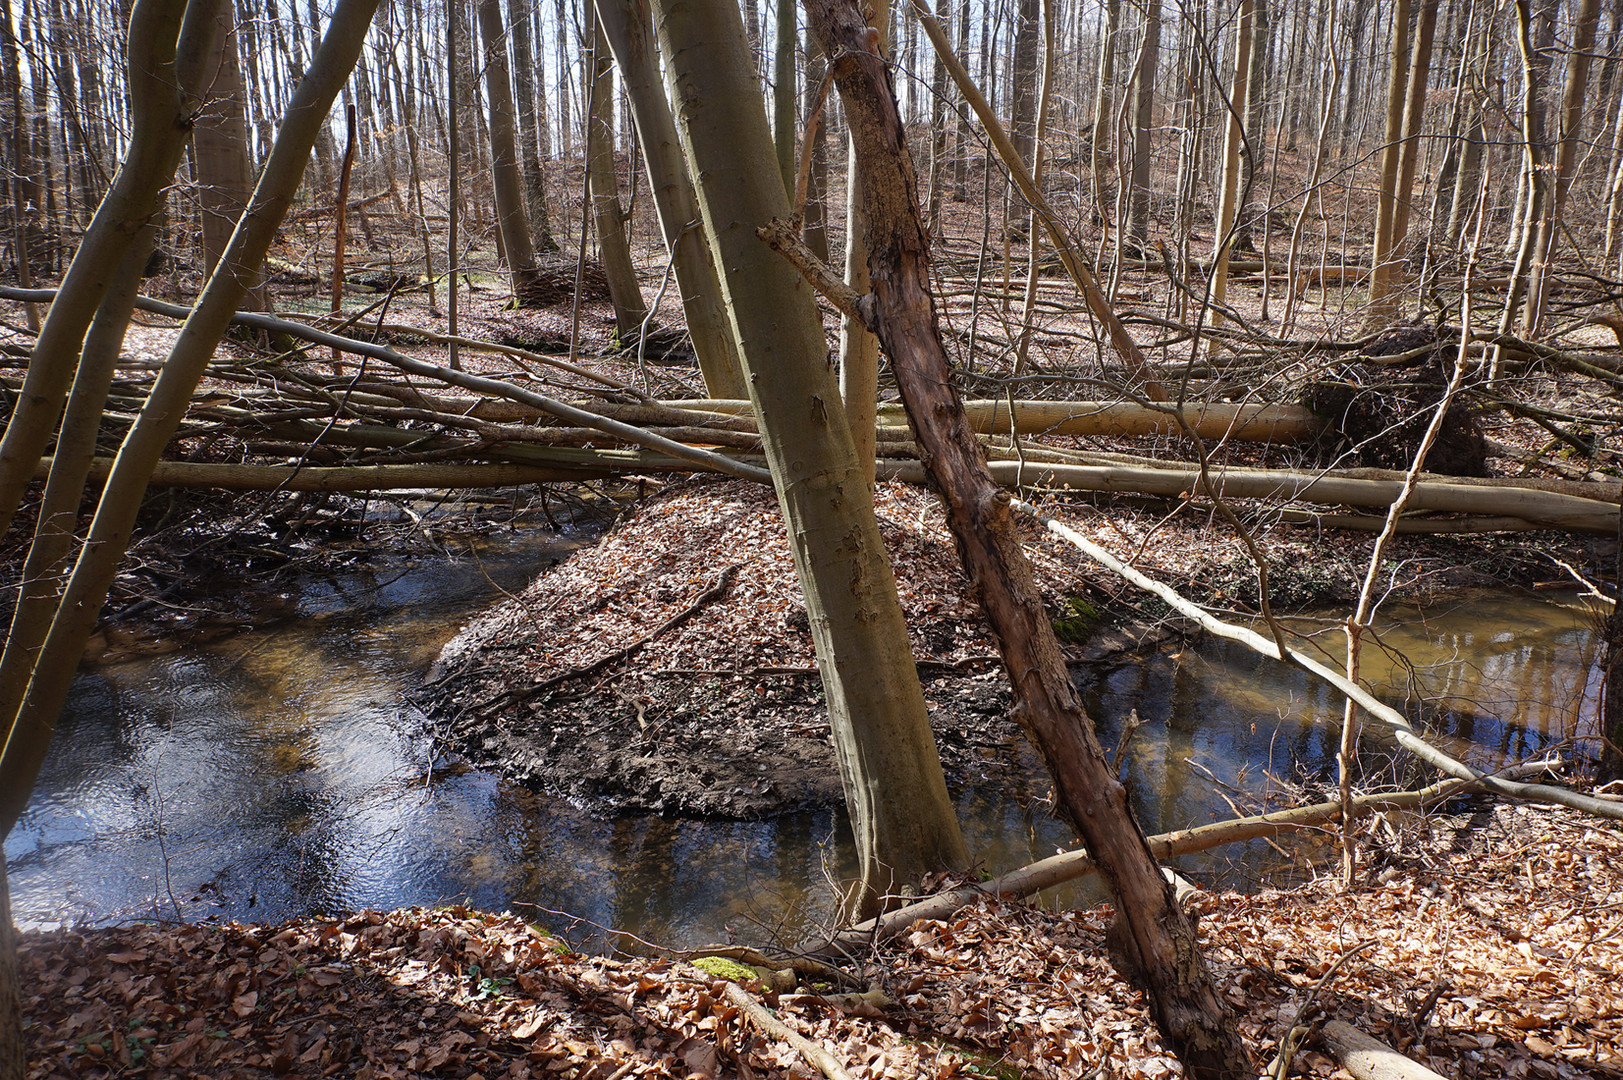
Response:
column 1138, row 200
column 511, row 216
column 1153, row 940
column 902, row 818
column 225, row 175
column 531, row 122
column 628, row 27
column 1586, row 24
column 109, row 535
column 859, row 349
column 607, row 215
column 1233, row 145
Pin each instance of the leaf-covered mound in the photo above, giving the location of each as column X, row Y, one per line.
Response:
column 670, row 667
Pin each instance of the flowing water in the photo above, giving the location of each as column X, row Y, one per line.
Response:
column 279, row 772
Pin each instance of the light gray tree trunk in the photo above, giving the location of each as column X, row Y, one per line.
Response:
column 902, row 819
column 607, row 215
column 629, row 29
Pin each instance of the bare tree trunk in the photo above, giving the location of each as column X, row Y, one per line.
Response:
column 531, row 123
column 859, row 349
column 1138, row 203
column 628, row 27
column 99, row 557
column 1023, row 68
column 1153, row 940
column 903, row 821
column 607, row 216
column 225, row 176
column 1586, row 24
column 509, row 183
column 783, row 92
column 1233, row 144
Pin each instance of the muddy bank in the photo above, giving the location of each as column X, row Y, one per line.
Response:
column 670, row 667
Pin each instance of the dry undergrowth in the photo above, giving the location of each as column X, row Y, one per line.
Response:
column 1489, row 949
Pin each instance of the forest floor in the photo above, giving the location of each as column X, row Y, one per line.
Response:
column 1481, row 943
column 1490, row 939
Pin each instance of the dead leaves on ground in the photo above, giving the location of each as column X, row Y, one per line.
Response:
column 1494, row 960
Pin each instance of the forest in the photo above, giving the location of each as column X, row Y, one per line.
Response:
column 915, row 461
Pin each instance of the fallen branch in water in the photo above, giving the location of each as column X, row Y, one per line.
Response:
column 1402, row 731
column 1071, row 865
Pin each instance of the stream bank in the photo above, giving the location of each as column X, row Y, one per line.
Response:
column 669, row 668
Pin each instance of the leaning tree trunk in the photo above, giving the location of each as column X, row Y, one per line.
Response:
column 628, row 27
column 161, row 122
column 511, row 216
column 902, row 818
column 1153, row 940
column 607, row 216
column 143, row 446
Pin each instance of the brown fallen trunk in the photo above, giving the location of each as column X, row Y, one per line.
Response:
column 1153, row 940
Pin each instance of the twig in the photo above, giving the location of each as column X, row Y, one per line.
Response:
column 771, row 1025
column 1296, row 1032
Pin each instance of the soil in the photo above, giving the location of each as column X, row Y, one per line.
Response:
column 670, row 668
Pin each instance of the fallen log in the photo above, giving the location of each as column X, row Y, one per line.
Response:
column 1544, row 508
column 1368, row 1058
column 1402, row 731
column 231, row 477
column 1244, row 422
column 1070, row 865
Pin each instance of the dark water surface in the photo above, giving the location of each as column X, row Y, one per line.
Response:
column 280, row 772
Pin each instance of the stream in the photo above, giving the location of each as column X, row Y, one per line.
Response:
column 279, row 772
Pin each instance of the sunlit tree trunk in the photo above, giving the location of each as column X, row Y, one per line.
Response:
column 903, row 821
column 628, row 27
column 607, row 215
column 511, row 217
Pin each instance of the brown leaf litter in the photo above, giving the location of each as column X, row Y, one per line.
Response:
column 1490, row 948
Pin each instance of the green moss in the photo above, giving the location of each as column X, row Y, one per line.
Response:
column 1076, row 621
column 723, row 968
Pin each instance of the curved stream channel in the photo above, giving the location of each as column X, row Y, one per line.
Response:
column 279, row 772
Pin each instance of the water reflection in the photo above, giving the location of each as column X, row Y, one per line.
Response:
column 276, row 773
